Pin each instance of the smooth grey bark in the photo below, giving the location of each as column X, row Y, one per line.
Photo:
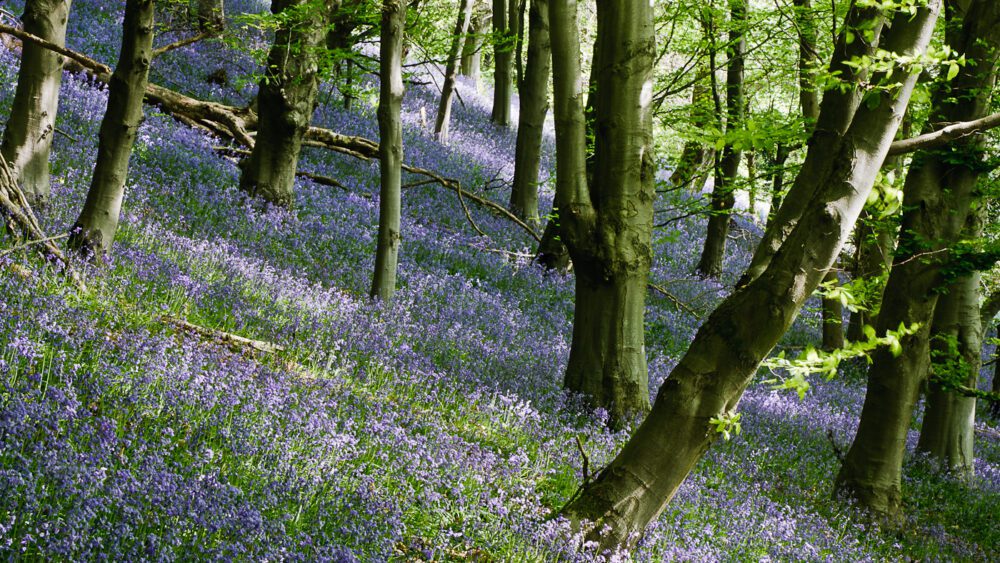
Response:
column 211, row 15
column 721, row 361
column 94, row 230
column 607, row 225
column 28, row 137
column 534, row 96
column 723, row 196
column 454, row 55
column 949, row 418
column 286, row 99
column 937, row 196
column 390, row 149
column 504, row 34
column 836, row 111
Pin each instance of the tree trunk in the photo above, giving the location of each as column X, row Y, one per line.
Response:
column 833, row 317
column 211, row 15
column 938, row 192
column 28, row 136
column 448, row 87
column 695, row 156
column 94, row 230
column 949, row 418
column 390, row 150
column 710, row 378
column 858, row 37
column 781, row 154
column 874, row 243
column 723, row 197
column 607, row 227
column 503, row 60
column 552, row 253
column 471, row 55
column 286, row 100
column 534, row 105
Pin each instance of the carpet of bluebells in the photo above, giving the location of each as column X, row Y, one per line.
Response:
column 431, row 429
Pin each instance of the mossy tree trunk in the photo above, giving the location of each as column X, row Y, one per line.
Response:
column 390, row 150
column 31, row 126
column 709, row 380
column 534, row 97
column 94, row 230
column 938, row 192
column 607, row 224
column 286, row 100
column 454, row 56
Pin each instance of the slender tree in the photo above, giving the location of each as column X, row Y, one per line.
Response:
column 390, row 150
column 94, row 230
column 211, row 15
column 534, row 96
column 454, row 56
column 286, row 100
column 723, row 196
column 696, row 156
column 471, row 47
column 937, row 196
column 28, row 136
column 504, row 34
column 607, row 225
column 858, row 38
column 832, row 309
column 704, row 389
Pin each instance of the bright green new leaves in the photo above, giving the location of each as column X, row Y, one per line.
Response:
column 792, row 374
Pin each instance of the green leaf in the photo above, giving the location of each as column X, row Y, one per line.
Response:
column 952, row 71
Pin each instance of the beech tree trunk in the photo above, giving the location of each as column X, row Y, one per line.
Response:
column 949, row 417
column 94, row 230
column 31, row 125
column 938, row 192
column 505, row 32
column 534, row 97
column 607, row 226
column 286, row 100
column 211, row 15
column 390, row 151
column 448, row 87
column 723, row 197
column 710, row 378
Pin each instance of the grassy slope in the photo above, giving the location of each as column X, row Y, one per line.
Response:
column 432, row 429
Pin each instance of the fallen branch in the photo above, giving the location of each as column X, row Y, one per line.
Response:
column 184, row 42
column 674, row 299
column 229, row 338
column 228, row 122
column 18, row 215
column 31, row 243
column 322, row 180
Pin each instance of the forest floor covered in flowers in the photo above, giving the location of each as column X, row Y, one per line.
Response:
column 431, row 429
